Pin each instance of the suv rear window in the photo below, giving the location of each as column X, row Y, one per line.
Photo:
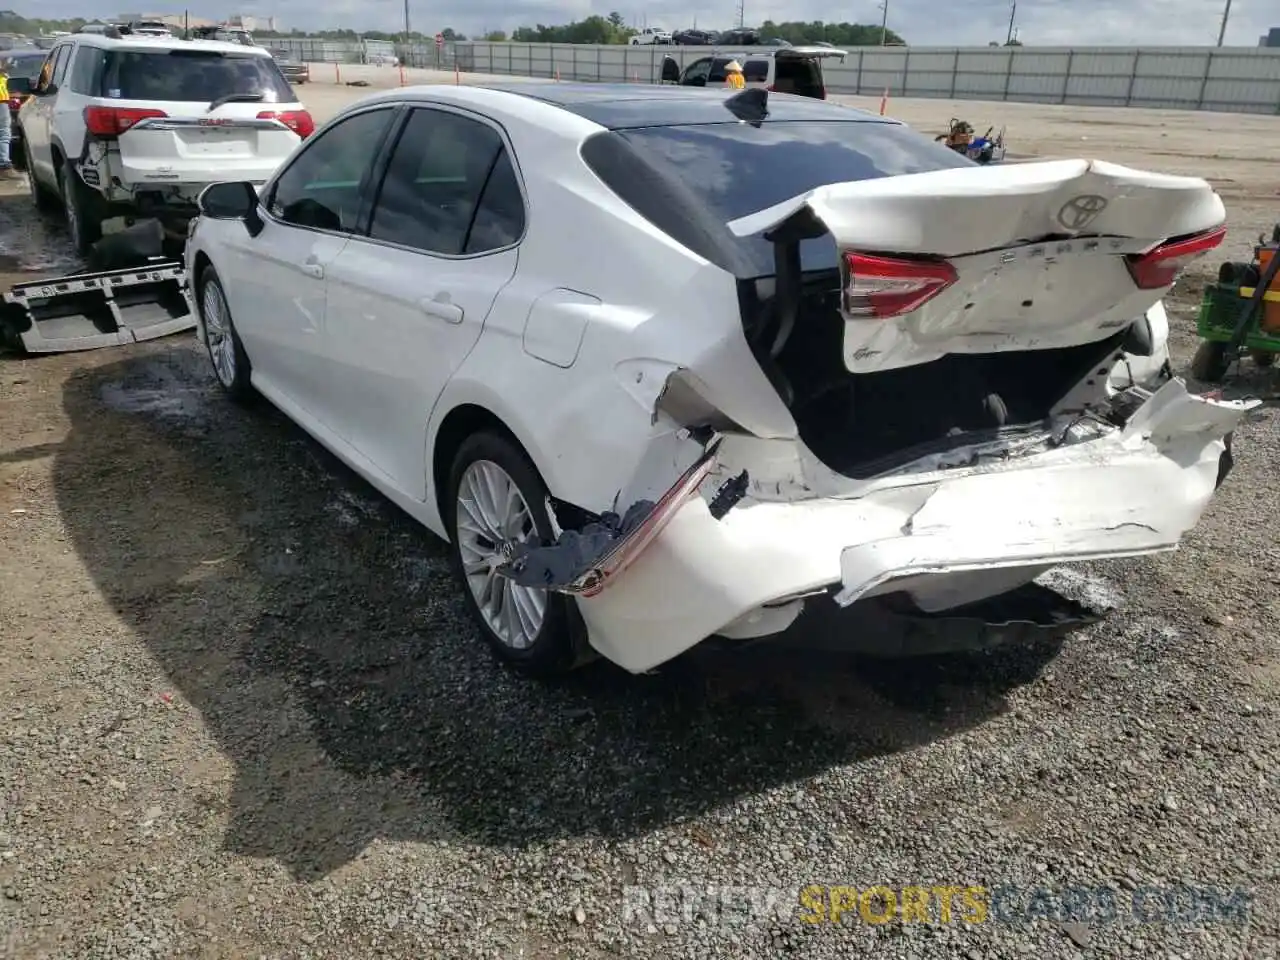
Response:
column 197, row 76
column 737, row 169
column 24, row 68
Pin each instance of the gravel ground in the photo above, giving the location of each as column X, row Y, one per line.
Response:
column 244, row 715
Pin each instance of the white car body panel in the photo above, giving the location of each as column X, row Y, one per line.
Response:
column 574, row 350
column 187, row 147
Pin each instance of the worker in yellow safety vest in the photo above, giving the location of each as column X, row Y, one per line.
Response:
column 733, row 78
column 6, row 162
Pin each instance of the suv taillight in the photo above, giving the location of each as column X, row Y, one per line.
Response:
column 112, row 121
column 883, row 287
column 299, row 121
column 15, row 102
column 1160, row 267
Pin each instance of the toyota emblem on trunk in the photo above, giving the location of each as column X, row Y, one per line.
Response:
column 1078, row 212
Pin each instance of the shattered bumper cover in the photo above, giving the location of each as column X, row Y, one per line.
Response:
column 942, row 540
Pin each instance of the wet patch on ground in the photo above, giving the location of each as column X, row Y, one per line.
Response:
column 32, row 243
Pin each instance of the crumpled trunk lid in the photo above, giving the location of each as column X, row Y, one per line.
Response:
column 1027, row 256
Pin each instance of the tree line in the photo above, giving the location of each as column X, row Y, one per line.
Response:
column 593, row 29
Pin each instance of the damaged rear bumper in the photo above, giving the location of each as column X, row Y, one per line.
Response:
column 943, row 539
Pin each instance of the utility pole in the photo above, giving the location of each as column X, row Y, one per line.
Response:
column 407, row 47
column 1013, row 12
column 742, row 13
column 1222, row 31
column 884, row 24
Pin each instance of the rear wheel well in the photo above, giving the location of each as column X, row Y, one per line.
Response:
column 461, row 423
column 199, row 267
column 202, row 263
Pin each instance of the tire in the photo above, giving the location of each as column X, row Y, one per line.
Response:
column 231, row 366
column 45, row 199
column 83, row 210
column 18, row 157
column 1209, row 365
column 558, row 643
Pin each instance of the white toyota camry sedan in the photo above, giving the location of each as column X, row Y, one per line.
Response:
column 664, row 364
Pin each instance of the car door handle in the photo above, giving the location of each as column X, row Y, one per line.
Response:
column 313, row 270
column 442, row 307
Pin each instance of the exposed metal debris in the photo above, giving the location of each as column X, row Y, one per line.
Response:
column 135, row 294
column 581, row 561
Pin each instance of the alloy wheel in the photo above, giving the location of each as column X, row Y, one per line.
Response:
column 491, row 518
column 217, row 332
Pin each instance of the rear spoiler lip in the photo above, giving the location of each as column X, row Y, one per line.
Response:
column 971, row 182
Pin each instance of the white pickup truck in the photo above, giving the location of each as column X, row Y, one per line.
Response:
column 651, row 35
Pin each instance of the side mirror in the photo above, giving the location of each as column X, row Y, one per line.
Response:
column 670, row 70
column 237, row 200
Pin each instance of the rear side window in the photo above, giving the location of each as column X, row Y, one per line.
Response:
column 433, row 184
column 499, row 219
column 755, row 71
column 194, row 76
column 85, row 70
column 736, row 169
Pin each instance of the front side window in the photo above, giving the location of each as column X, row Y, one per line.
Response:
column 59, row 67
column 192, row 76
column 432, row 190
column 322, row 187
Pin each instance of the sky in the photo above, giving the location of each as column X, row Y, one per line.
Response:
column 921, row 22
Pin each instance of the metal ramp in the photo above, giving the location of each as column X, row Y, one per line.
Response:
column 90, row 310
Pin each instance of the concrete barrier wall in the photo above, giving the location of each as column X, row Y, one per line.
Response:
column 1228, row 79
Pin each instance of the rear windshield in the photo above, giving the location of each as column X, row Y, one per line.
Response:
column 22, row 71
column 799, row 75
column 738, row 169
column 197, row 76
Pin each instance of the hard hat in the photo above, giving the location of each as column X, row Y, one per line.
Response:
column 733, row 66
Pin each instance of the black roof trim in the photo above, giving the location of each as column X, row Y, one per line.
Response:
column 620, row 106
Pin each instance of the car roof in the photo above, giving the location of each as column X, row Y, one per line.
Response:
column 135, row 42
column 619, row 106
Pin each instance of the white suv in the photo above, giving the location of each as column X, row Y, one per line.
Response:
column 138, row 126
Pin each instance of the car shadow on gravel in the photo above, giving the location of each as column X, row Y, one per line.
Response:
column 320, row 637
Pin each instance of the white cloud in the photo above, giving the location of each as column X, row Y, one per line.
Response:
column 921, row 22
